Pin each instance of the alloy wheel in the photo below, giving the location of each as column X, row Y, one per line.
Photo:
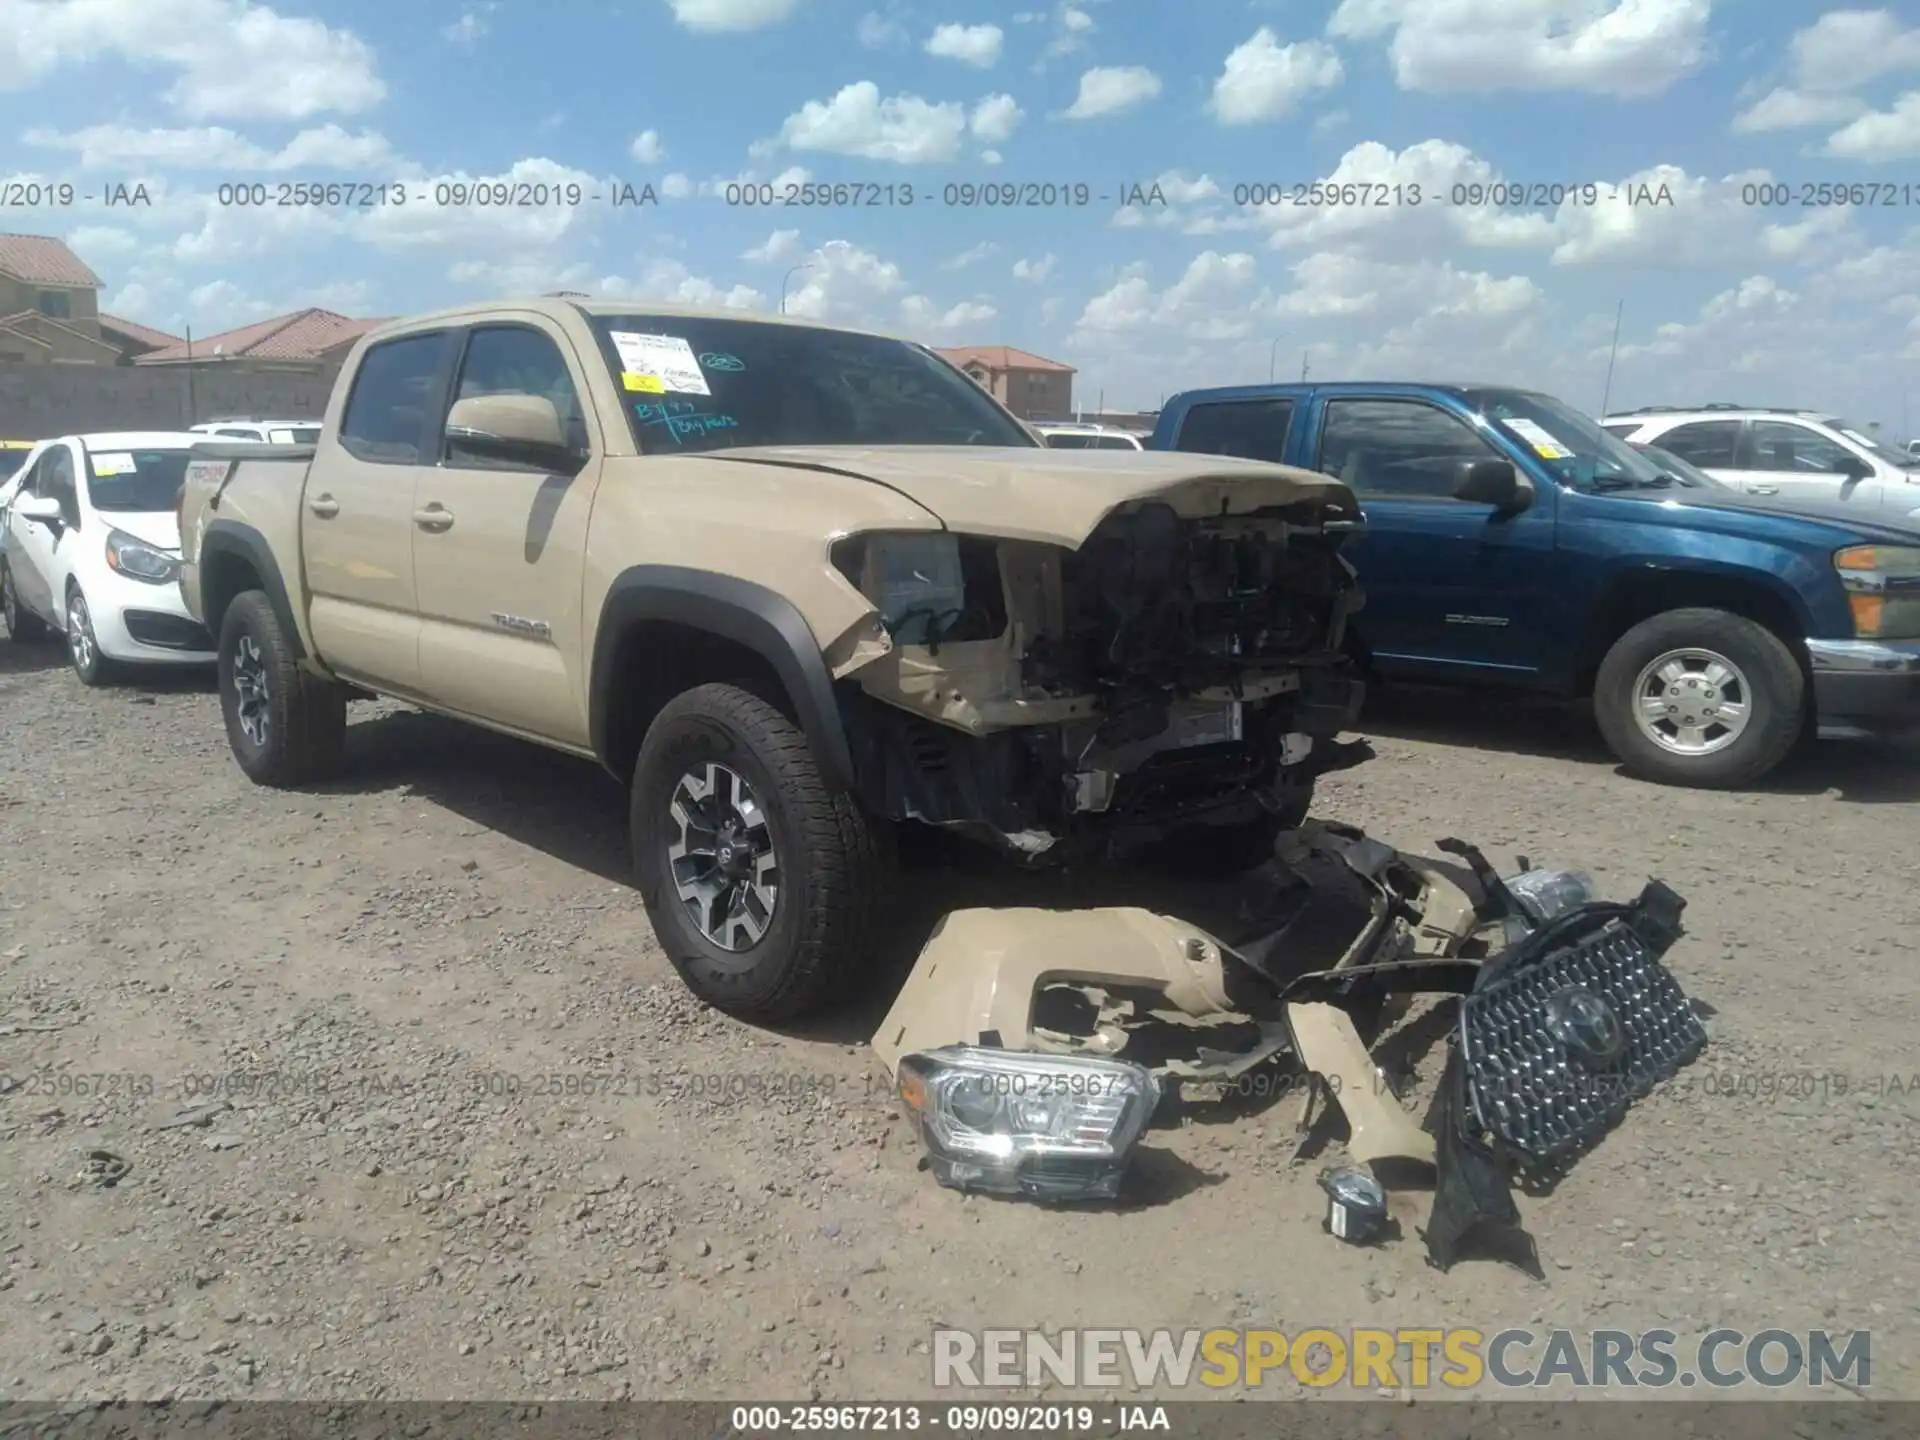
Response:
column 250, row 692
column 80, row 641
column 1692, row 702
column 722, row 858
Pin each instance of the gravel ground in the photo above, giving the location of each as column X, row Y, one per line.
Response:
column 406, row 1209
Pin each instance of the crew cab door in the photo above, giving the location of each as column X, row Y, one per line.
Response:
column 356, row 522
column 1452, row 586
column 500, row 548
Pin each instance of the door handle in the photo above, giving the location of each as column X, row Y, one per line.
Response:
column 325, row 506
column 1763, row 489
column 434, row 517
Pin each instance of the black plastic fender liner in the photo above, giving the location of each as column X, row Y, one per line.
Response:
column 230, row 537
column 763, row 621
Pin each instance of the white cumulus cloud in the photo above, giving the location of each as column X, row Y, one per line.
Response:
column 1107, row 90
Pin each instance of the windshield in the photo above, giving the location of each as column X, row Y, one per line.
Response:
column 135, row 481
column 697, row 384
column 1685, row 471
column 1862, row 437
column 11, row 461
column 1568, row 443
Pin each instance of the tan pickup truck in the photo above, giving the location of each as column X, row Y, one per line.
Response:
column 792, row 586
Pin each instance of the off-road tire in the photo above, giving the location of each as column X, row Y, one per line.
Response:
column 306, row 716
column 23, row 626
column 83, row 641
column 1773, row 675
column 835, row 862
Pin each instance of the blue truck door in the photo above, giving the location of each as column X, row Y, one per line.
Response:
column 1452, row 586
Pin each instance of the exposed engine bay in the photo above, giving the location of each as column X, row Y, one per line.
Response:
column 1173, row 671
column 1033, row 1048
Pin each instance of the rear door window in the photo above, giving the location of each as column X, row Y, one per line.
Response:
column 1249, row 429
column 396, row 400
column 1710, row 444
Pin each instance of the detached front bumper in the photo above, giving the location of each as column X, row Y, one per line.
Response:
column 1865, row 687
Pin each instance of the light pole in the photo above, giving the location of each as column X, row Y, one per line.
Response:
column 1273, row 359
column 787, row 279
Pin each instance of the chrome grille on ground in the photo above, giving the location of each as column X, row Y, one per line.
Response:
column 1557, row 1050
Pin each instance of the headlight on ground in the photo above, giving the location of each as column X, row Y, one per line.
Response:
column 138, row 560
column 1548, row 894
column 1883, row 590
column 1048, row 1127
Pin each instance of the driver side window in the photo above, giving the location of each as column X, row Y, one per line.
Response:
column 55, row 477
column 1397, row 449
column 517, row 360
column 1783, row 448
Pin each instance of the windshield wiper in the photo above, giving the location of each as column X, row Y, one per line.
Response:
column 1611, row 483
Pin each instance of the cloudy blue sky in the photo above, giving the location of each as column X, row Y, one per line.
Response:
column 1684, row 115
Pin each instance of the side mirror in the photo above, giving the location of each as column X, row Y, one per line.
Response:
column 520, row 429
column 1856, row 467
column 1491, row 482
column 43, row 508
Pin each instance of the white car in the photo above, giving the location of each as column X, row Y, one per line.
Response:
column 272, row 432
column 1075, row 436
column 91, row 550
column 1792, row 454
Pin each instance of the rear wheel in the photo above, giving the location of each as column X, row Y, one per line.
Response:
column 1701, row 698
column 286, row 726
column 22, row 624
column 765, row 882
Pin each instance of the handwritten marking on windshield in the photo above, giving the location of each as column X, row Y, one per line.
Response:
column 719, row 360
column 679, row 420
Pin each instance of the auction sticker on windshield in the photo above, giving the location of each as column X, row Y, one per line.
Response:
column 1544, row 445
column 667, row 358
column 105, row 465
column 645, row 384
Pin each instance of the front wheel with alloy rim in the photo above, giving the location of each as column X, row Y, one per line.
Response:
column 83, row 646
column 1700, row 697
column 765, row 882
column 22, row 624
column 286, row 725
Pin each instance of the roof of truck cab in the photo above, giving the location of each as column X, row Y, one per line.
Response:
column 1292, row 388
column 559, row 308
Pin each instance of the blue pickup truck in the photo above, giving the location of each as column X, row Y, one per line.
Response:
column 1511, row 541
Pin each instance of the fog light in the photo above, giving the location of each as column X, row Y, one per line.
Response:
column 1049, row 1127
column 1356, row 1206
column 1548, row 894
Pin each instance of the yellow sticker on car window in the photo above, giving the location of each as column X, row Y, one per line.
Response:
column 1545, row 445
column 645, row 384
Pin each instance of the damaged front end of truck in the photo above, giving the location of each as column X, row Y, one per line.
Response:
column 1033, row 1048
column 1134, row 657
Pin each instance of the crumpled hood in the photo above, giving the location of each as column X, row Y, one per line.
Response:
column 158, row 528
column 1058, row 496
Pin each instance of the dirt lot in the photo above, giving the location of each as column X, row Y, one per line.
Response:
column 411, row 1213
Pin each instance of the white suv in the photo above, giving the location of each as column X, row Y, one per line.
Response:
column 1075, row 436
column 272, row 432
column 1793, row 454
